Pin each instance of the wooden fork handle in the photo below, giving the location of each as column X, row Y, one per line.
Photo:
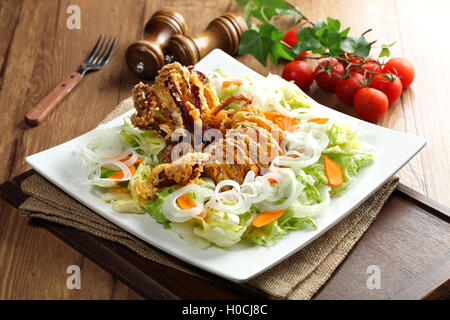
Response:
column 41, row 111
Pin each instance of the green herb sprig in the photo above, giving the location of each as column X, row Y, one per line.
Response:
column 321, row 38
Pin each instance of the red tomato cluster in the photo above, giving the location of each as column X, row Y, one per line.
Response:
column 290, row 38
column 359, row 82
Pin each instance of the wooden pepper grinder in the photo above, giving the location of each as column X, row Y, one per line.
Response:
column 223, row 32
column 146, row 57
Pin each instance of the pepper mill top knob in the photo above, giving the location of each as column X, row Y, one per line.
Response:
column 146, row 57
column 223, row 32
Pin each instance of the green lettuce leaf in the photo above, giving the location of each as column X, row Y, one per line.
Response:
column 295, row 223
column 294, row 98
column 126, row 206
column 122, row 201
column 266, row 235
column 218, row 228
column 229, row 91
column 147, row 142
column 349, row 153
column 153, row 207
column 185, row 231
column 222, row 230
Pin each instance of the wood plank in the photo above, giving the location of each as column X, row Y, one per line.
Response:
column 9, row 18
column 38, row 50
column 36, row 63
column 408, row 242
column 426, row 99
column 20, row 63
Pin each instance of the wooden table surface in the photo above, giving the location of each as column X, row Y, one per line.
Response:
column 37, row 51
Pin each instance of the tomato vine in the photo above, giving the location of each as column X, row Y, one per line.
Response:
column 321, row 38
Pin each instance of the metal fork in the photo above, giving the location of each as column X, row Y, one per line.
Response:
column 95, row 61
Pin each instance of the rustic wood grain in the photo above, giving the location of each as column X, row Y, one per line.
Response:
column 37, row 51
column 40, row 112
column 408, row 243
column 37, row 60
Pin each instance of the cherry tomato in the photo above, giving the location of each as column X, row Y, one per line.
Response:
column 370, row 104
column 347, row 88
column 392, row 89
column 354, row 69
column 322, row 78
column 290, row 38
column 372, row 66
column 301, row 56
column 299, row 71
column 403, row 68
column 351, row 58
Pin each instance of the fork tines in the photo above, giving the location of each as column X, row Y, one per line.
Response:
column 101, row 53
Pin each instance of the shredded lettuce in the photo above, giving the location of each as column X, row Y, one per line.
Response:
column 350, row 165
column 291, row 219
column 185, row 231
column 141, row 176
column 265, row 236
column 222, row 229
column 295, row 223
column 127, row 200
column 121, row 201
column 349, row 153
column 220, row 72
column 105, row 172
column 218, row 228
column 153, row 207
column 229, row 91
column 294, row 99
column 147, row 142
column 317, row 170
column 272, row 93
column 126, row 206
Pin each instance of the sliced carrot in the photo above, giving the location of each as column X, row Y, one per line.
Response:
column 319, row 120
column 119, row 174
column 227, row 83
column 333, row 171
column 295, row 155
column 267, row 217
column 203, row 214
column 283, row 121
column 286, row 123
column 139, row 160
column 272, row 115
column 272, row 181
column 185, row 202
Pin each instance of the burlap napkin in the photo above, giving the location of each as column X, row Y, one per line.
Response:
column 298, row 277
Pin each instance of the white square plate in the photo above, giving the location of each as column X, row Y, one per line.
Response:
column 62, row 166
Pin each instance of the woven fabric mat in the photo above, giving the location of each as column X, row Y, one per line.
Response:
column 298, row 277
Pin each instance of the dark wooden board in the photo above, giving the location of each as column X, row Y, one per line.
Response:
column 37, row 51
column 409, row 241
